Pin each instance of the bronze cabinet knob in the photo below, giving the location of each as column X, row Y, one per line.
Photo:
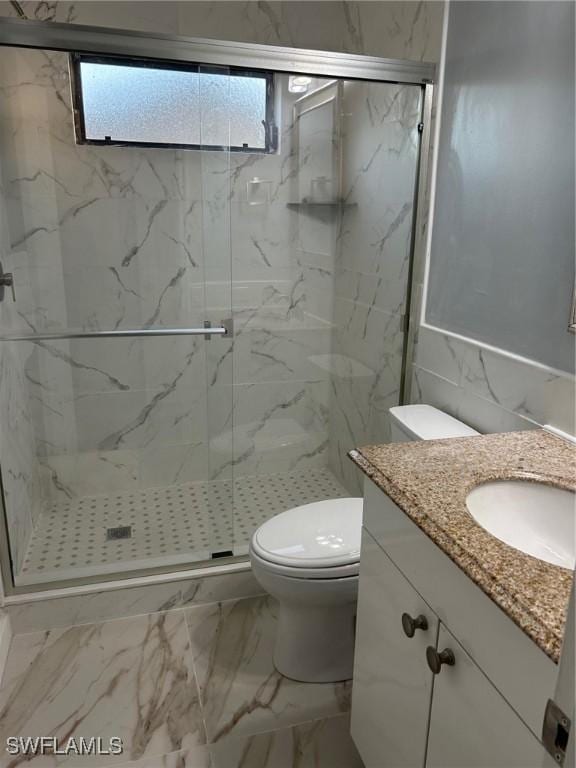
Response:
column 410, row 625
column 435, row 659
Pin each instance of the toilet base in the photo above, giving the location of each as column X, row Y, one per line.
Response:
column 316, row 623
column 315, row 645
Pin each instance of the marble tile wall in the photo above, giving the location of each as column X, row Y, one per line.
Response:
column 380, row 158
column 86, row 229
column 393, row 29
column 87, row 226
column 103, row 605
column 20, row 468
column 279, row 405
column 126, row 415
column 488, row 389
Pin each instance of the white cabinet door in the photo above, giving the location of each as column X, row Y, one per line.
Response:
column 392, row 683
column 471, row 725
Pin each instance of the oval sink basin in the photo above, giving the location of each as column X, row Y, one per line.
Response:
column 535, row 518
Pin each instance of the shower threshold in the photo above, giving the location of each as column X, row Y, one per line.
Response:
column 171, row 526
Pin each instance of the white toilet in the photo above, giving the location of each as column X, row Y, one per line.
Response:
column 308, row 558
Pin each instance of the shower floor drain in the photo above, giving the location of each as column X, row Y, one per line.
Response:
column 120, row 532
column 166, row 525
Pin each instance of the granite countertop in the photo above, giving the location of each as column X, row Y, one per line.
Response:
column 429, row 481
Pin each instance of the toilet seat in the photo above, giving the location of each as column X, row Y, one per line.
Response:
column 314, row 541
column 338, row 572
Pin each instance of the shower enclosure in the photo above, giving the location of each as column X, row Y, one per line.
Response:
column 210, row 249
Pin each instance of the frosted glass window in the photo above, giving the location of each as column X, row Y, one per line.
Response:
column 248, row 105
column 119, row 103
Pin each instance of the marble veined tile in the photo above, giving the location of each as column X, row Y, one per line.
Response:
column 195, row 757
column 241, row 692
column 128, row 678
column 19, row 466
column 133, row 601
column 398, row 30
column 320, row 744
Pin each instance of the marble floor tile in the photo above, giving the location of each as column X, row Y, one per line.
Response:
column 129, row 678
column 241, row 692
column 195, row 757
column 320, row 744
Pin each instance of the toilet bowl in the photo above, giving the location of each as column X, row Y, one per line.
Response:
column 308, row 558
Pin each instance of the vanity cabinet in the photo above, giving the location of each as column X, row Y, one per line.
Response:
column 442, row 677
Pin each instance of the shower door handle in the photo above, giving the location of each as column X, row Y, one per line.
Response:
column 226, row 329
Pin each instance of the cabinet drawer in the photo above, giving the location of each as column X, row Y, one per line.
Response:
column 521, row 671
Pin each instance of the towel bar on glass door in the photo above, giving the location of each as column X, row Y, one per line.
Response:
column 220, row 330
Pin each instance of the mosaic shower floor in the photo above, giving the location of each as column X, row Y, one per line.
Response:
column 167, row 526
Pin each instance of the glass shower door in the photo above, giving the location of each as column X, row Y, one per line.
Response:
column 322, row 247
column 115, row 447
column 139, row 426
column 216, row 93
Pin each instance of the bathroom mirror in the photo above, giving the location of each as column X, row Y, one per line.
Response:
column 504, row 278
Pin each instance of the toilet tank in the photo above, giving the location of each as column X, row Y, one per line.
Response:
column 424, row 422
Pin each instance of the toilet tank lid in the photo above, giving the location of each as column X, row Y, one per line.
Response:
column 424, row 422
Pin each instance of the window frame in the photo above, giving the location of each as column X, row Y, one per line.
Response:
column 75, row 59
